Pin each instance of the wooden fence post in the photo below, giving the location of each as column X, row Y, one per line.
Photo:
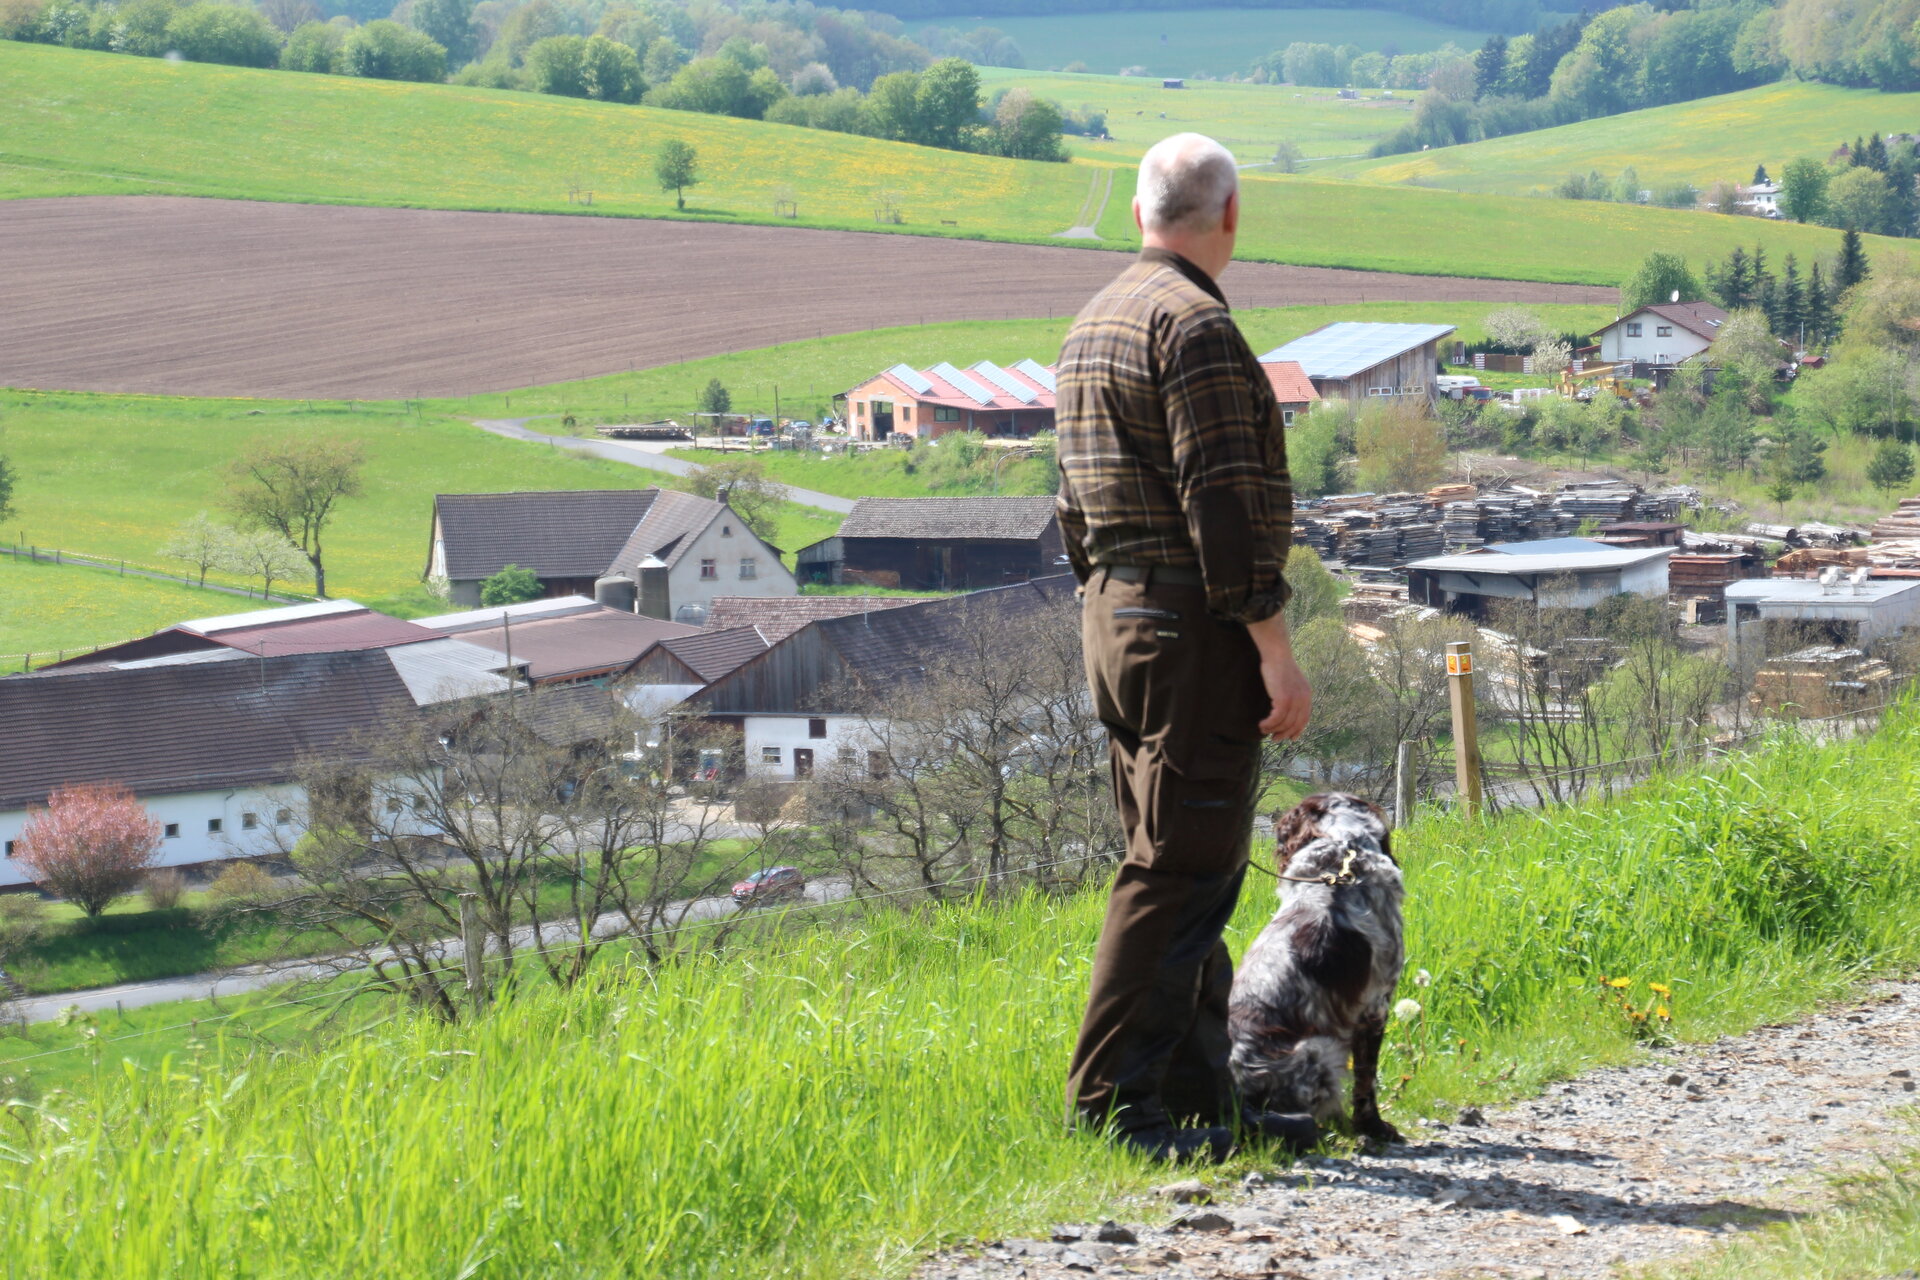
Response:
column 1403, row 786
column 1466, row 728
column 473, row 946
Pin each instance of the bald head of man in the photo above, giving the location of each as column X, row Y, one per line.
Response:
column 1188, row 200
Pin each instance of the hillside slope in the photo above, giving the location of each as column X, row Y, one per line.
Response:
column 1708, row 140
column 96, row 123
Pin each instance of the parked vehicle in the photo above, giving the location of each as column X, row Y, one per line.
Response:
column 775, row 884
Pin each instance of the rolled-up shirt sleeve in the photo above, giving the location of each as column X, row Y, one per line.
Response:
column 1230, row 465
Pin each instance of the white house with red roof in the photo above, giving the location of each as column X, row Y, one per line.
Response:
column 1664, row 333
column 995, row 400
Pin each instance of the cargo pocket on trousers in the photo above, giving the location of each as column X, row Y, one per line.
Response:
column 1201, row 813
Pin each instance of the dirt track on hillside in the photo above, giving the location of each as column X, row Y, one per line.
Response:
column 216, row 297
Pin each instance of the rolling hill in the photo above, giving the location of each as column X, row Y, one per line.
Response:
column 1704, row 141
column 94, row 123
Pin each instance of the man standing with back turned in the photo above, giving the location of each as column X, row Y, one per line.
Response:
column 1176, row 509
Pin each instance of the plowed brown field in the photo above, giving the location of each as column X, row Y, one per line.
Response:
column 214, row 297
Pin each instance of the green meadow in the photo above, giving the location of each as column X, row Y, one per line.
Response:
column 835, row 1101
column 1207, row 42
column 92, row 123
column 1249, row 119
column 46, row 607
column 1708, row 140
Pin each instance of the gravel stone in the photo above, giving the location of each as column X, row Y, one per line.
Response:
column 1648, row 1180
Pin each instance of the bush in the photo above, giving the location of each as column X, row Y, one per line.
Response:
column 386, row 50
column 225, row 33
column 164, row 888
column 23, row 922
column 512, row 585
column 315, row 47
column 240, row 883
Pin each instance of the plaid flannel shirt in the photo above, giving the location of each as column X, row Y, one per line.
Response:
column 1172, row 451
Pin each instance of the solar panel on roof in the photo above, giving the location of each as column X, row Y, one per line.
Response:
column 967, row 386
column 1005, row 381
column 913, row 378
column 1351, row 346
column 1038, row 372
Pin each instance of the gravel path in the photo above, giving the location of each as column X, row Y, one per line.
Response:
column 1624, row 1165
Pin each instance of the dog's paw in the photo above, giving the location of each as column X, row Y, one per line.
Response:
column 1377, row 1130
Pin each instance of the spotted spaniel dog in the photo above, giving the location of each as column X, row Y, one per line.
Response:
column 1314, row 988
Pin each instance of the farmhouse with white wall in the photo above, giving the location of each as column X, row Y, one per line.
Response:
column 1664, row 333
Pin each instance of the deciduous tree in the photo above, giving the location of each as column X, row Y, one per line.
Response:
column 93, row 842
column 266, row 555
column 1803, row 190
column 677, row 167
column 754, row 497
column 293, row 485
column 201, row 542
column 1401, row 447
column 1659, row 277
column 385, row 50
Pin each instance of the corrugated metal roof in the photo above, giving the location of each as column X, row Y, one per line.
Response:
column 713, row 653
column 1545, row 546
column 447, row 670
column 576, row 645
column 474, row 619
column 1347, row 347
column 1529, row 566
column 1808, row 590
column 777, row 617
column 268, row 617
column 334, row 633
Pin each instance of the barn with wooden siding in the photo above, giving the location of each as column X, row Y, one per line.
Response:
column 1362, row 360
column 939, row 544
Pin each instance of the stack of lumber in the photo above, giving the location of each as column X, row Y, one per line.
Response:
column 1443, row 494
column 1903, row 523
column 1807, row 562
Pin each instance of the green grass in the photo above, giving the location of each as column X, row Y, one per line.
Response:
column 113, row 475
column 46, row 607
column 836, row 1102
column 1249, row 119
column 1207, row 42
column 90, row 123
column 1709, row 140
column 894, row 473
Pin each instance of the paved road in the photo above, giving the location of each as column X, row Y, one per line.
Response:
column 638, row 455
column 232, row 982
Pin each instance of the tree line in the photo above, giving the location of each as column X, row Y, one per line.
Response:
column 798, row 65
column 1481, row 15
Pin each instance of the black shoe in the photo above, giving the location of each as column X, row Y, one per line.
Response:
column 1292, row 1131
column 1168, row 1145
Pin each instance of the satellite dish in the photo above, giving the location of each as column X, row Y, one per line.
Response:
column 1676, row 295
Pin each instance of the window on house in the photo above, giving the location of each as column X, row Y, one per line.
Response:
column 1633, row 328
column 941, row 414
column 817, row 728
column 749, row 568
column 215, row 826
column 173, row 831
column 709, row 570
column 283, row 817
column 726, row 531
column 1663, row 331
column 860, row 409
column 848, row 755
column 419, row 803
column 249, row 821
column 769, row 755
column 9, row 848
column 906, row 413
column 1286, row 417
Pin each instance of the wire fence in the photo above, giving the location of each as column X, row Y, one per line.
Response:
column 121, row 567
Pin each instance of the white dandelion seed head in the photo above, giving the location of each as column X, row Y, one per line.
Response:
column 1407, row 1010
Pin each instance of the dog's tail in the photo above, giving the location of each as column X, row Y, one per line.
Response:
column 1308, row 1075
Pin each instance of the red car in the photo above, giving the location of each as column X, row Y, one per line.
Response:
column 775, row 884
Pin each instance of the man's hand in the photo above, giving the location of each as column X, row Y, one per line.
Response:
column 1286, row 683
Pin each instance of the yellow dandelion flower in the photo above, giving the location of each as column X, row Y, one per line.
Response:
column 1663, row 1014
column 1617, row 983
column 1660, row 988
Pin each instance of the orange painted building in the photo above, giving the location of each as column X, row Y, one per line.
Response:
column 927, row 403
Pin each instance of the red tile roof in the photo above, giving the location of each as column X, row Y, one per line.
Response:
column 1290, row 382
column 945, row 389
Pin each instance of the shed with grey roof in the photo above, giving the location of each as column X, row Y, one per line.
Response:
column 1778, row 614
column 1555, row 573
column 939, row 544
column 1364, row 360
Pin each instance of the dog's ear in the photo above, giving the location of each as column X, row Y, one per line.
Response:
column 1297, row 827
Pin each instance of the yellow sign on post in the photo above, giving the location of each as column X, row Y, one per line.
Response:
column 1466, row 729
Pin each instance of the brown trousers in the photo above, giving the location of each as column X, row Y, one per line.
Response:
column 1181, row 696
